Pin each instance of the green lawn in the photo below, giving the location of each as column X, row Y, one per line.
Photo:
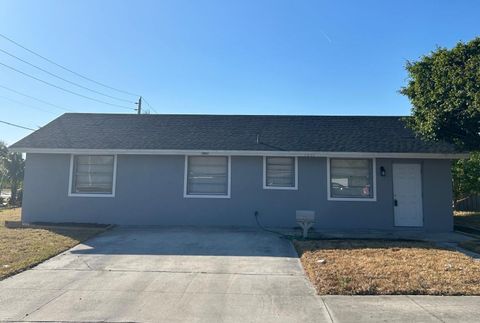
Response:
column 468, row 219
column 472, row 245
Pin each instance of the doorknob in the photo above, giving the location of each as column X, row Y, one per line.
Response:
column 395, row 202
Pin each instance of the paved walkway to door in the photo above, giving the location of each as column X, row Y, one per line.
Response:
column 209, row 275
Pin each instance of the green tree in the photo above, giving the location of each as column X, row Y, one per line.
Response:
column 12, row 167
column 444, row 89
column 15, row 167
column 3, row 171
column 3, row 149
column 466, row 176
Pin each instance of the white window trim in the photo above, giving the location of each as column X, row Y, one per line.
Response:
column 356, row 199
column 266, row 187
column 229, row 178
column 70, row 179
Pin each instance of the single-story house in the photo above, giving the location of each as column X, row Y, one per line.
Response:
column 355, row 172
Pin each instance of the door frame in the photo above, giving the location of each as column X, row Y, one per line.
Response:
column 420, row 163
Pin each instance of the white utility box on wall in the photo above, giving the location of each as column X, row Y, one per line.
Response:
column 306, row 219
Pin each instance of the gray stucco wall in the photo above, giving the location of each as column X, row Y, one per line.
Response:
column 149, row 191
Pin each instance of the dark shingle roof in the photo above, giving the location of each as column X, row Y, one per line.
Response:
column 230, row 132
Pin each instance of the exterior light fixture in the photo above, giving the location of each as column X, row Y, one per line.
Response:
column 382, row 171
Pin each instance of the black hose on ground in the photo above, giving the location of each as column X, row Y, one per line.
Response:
column 283, row 235
column 300, row 236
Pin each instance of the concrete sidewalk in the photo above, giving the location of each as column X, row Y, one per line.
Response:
column 185, row 275
column 403, row 308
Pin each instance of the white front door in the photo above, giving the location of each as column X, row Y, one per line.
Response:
column 407, row 195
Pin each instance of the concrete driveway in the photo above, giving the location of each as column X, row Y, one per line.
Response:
column 194, row 275
column 167, row 275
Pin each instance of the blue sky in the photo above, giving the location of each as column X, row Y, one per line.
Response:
column 223, row 57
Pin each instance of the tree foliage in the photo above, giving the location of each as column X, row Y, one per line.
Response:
column 15, row 166
column 3, row 149
column 12, row 167
column 466, row 176
column 3, row 171
column 444, row 89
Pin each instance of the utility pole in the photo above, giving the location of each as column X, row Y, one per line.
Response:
column 139, row 108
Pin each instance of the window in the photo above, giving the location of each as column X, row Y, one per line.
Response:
column 92, row 175
column 207, row 176
column 351, row 179
column 280, row 173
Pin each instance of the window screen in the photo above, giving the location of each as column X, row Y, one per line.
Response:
column 351, row 178
column 92, row 174
column 280, row 172
column 207, row 175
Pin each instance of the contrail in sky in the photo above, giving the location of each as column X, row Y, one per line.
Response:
column 326, row 36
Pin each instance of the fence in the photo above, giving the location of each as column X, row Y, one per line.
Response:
column 471, row 203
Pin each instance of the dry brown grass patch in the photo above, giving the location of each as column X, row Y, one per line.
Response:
column 387, row 267
column 23, row 248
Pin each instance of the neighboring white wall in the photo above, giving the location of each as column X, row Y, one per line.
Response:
column 150, row 191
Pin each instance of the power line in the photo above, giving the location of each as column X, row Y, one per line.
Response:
column 67, row 69
column 34, row 98
column 26, row 105
column 63, row 79
column 16, row 125
column 68, row 81
column 63, row 89
column 149, row 105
